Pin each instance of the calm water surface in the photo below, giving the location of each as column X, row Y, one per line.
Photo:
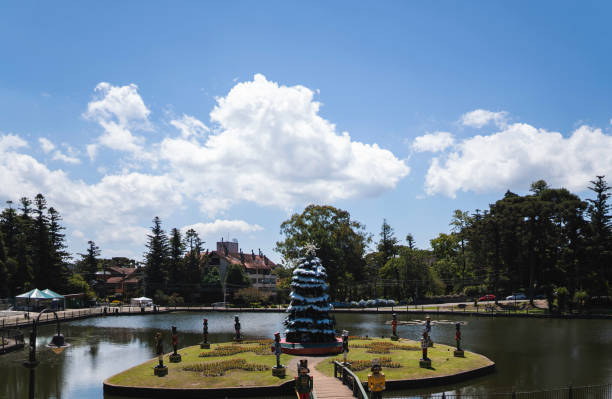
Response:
column 530, row 353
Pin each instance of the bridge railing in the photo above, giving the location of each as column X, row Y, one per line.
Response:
column 349, row 379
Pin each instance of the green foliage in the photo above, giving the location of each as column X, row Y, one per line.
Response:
column 157, row 258
column 160, row 297
column 250, row 295
column 358, row 365
column 340, row 242
column 562, row 295
column 77, row 284
column 215, row 369
column 32, row 248
column 175, row 300
column 236, row 277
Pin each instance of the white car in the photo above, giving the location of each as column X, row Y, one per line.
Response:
column 515, row 297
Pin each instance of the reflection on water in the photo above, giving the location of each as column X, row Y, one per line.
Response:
column 530, row 353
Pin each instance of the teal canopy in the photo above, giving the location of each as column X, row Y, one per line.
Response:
column 53, row 294
column 35, row 294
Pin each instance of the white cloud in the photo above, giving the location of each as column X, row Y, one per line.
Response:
column 11, row 141
column 480, row 117
column 46, row 145
column 518, row 155
column 60, row 156
column 119, row 110
column 268, row 145
column 273, row 148
column 221, row 226
column 189, row 126
column 433, row 142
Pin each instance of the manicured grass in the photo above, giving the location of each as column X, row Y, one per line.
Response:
column 442, row 360
column 142, row 375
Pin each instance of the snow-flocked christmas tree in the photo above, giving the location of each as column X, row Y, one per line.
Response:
column 308, row 319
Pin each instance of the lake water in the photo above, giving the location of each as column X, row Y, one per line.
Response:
column 530, row 354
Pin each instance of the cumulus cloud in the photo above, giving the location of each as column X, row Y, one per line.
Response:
column 272, row 147
column 189, row 126
column 433, row 142
column 220, row 227
column 267, row 145
column 10, row 142
column 46, row 145
column 519, row 154
column 119, row 110
column 481, row 117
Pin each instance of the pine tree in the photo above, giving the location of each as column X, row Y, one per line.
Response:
column 308, row 319
column 41, row 261
column 156, row 258
column 388, row 243
column 57, row 252
column 90, row 260
column 176, row 275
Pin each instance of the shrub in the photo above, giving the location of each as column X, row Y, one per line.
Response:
column 175, row 300
column 259, row 348
column 358, row 365
column 215, row 369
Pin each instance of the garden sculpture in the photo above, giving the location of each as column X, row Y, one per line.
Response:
column 394, row 325
column 458, row 352
column 425, row 345
column 376, row 380
column 458, row 336
column 237, row 328
column 279, row 370
column 175, row 357
column 160, row 370
column 205, row 331
column 428, row 331
column 277, row 349
column 303, row 381
column 345, row 346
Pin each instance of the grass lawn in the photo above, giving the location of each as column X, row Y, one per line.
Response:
column 442, row 360
column 142, row 375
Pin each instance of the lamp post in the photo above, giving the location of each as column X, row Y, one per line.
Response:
column 58, row 344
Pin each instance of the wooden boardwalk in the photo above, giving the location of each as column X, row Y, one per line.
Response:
column 324, row 387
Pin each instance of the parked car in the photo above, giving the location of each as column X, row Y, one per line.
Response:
column 515, row 297
column 488, row 297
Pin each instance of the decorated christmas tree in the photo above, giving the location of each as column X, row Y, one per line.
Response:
column 308, row 319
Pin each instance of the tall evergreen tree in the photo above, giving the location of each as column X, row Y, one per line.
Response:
column 89, row 260
column 57, row 253
column 176, row 274
column 41, row 260
column 600, row 235
column 156, row 258
column 387, row 245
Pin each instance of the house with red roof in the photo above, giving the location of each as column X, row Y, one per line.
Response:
column 258, row 267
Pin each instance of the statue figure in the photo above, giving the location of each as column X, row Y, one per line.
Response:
column 175, row 357
column 205, row 331
column 303, row 381
column 345, row 346
column 277, row 349
column 428, row 331
column 376, row 380
column 458, row 336
column 159, row 348
column 394, row 324
column 174, row 340
column 237, row 328
column 425, row 345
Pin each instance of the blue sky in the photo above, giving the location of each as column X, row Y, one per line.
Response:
column 230, row 116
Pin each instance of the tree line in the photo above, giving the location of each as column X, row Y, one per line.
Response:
column 548, row 243
column 32, row 248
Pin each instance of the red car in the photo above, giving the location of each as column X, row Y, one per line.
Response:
column 488, row 297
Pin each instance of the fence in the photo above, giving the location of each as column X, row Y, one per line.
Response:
column 583, row 392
